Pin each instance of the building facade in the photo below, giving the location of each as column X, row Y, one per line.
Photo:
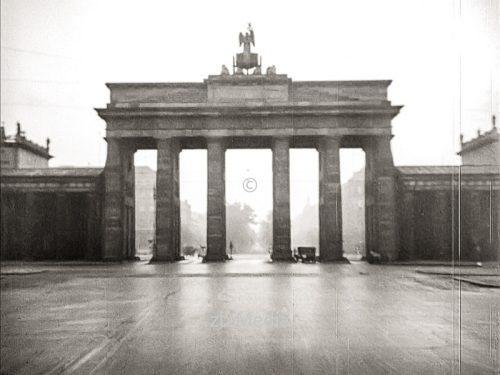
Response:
column 145, row 183
column 481, row 150
column 449, row 212
column 19, row 152
column 353, row 209
column 51, row 213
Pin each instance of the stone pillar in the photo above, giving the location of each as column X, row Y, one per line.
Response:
column 128, row 232
column 167, row 201
column 382, row 188
column 112, row 248
column 216, row 200
column 282, row 249
column 177, row 202
column 386, row 201
column 370, row 190
column 330, row 201
column 130, row 202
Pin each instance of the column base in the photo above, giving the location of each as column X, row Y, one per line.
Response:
column 333, row 260
column 222, row 258
column 377, row 258
column 166, row 259
column 134, row 258
column 283, row 257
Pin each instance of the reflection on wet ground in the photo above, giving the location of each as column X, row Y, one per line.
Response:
column 244, row 316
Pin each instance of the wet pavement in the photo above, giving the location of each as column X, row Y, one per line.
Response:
column 244, row 316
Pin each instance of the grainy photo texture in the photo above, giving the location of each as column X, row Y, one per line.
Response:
column 220, row 187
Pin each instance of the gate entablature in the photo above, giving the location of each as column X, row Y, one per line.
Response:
column 249, row 106
column 244, row 90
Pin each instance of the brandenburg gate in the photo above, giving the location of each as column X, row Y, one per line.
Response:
column 248, row 108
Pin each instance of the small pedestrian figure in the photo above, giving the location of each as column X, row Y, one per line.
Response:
column 476, row 251
column 477, row 255
column 231, row 248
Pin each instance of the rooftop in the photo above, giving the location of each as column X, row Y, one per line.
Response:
column 448, row 169
column 53, row 172
column 20, row 140
column 480, row 141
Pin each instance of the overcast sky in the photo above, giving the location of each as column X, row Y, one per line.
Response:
column 443, row 58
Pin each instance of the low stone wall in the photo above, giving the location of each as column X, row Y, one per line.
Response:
column 51, row 214
column 447, row 214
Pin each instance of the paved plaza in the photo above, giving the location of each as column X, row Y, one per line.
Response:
column 246, row 316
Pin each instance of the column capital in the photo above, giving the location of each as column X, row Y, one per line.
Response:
column 166, row 139
column 217, row 140
column 125, row 144
column 281, row 138
column 328, row 142
column 172, row 144
column 160, row 140
column 383, row 140
column 374, row 141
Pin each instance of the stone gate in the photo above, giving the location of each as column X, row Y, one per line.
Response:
column 248, row 111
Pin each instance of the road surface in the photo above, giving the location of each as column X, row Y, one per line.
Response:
column 245, row 316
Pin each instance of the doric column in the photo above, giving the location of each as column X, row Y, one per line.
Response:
column 330, row 202
column 382, row 189
column 216, row 200
column 370, row 192
column 129, row 191
column 282, row 249
column 167, row 201
column 129, row 232
column 113, row 234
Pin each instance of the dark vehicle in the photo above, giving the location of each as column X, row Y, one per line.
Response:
column 307, row 254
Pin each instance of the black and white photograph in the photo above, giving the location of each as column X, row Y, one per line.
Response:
column 258, row 187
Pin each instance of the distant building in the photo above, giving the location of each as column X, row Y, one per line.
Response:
column 19, row 152
column 145, row 186
column 304, row 227
column 482, row 150
column 193, row 227
column 353, row 214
